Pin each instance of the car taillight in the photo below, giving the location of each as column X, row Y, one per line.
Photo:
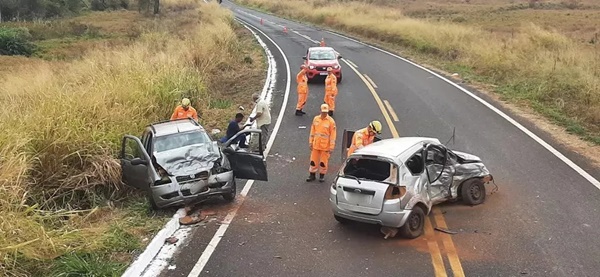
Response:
column 394, row 192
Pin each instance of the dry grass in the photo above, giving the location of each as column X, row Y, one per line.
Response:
column 63, row 122
column 556, row 75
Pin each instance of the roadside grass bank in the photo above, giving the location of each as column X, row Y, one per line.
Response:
column 63, row 208
column 535, row 67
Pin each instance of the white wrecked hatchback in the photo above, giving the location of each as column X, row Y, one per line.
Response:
column 395, row 183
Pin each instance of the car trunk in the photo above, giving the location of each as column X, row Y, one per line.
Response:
column 366, row 197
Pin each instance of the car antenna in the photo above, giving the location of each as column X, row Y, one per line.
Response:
column 453, row 136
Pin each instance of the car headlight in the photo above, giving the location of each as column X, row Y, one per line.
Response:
column 336, row 66
column 311, row 67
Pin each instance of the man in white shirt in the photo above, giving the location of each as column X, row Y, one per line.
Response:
column 262, row 117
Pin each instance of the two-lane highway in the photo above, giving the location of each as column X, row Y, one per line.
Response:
column 542, row 221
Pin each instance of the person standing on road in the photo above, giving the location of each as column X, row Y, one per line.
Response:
column 321, row 142
column 364, row 136
column 322, row 42
column 185, row 110
column 331, row 90
column 262, row 117
column 302, row 89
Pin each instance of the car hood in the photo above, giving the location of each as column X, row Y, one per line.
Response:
column 466, row 157
column 188, row 160
column 323, row 62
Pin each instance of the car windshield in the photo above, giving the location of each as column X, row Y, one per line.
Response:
column 322, row 55
column 371, row 169
column 174, row 141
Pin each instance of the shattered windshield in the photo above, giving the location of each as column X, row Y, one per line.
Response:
column 322, row 55
column 174, row 141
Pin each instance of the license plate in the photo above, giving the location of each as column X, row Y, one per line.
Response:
column 323, row 73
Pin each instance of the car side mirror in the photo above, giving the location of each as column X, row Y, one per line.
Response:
column 138, row 161
column 304, row 57
column 339, row 57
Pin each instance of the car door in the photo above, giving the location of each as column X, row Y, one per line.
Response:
column 439, row 172
column 135, row 163
column 247, row 163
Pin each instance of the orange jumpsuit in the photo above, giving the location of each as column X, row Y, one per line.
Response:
column 180, row 113
column 302, row 88
column 322, row 143
column 360, row 139
column 331, row 91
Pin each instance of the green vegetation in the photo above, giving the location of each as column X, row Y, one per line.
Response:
column 63, row 208
column 554, row 69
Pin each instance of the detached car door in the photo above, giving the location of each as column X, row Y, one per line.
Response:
column 247, row 163
column 135, row 164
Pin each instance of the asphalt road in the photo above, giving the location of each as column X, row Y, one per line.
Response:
column 542, row 222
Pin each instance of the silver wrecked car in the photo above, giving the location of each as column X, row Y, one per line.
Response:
column 395, row 183
column 177, row 163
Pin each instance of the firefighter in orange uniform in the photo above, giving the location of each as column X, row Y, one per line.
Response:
column 364, row 136
column 331, row 90
column 184, row 111
column 322, row 42
column 322, row 143
column 302, row 89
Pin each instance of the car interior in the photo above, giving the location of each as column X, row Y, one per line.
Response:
column 415, row 164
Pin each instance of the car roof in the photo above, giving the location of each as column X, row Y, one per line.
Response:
column 394, row 148
column 321, row 48
column 175, row 126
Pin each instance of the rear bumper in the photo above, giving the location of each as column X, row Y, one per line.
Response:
column 390, row 216
column 174, row 194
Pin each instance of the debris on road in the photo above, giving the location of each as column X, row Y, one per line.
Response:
column 389, row 232
column 172, row 267
column 242, row 243
column 445, row 231
column 301, row 127
column 171, row 240
column 277, row 257
column 188, row 220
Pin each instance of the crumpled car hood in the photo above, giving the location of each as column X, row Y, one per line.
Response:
column 466, row 156
column 187, row 160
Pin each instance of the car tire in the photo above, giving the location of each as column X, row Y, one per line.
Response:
column 339, row 80
column 414, row 225
column 151, row 201
column 229, row 197
column 473, row 191
column 342, row 220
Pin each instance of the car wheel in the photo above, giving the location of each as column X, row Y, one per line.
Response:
column 151, row 201
column 414, row 225
column 339, row 80
column 473, row 191
column 341, row 219
column 231, row 196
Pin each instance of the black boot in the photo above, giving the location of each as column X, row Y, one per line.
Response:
column 302, row 112
column 311, row 178
column 299, row 112
column 321, row 178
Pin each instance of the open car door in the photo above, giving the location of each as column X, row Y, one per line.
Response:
column 347, row 142
column 135, row 164
column 439, row 171
column 247, row 163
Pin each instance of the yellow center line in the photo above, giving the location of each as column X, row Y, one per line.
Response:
column 350, row 63
column 434, row 250
column 378, row 100
column 370, row 80
column 448, row 244
column 392, row 112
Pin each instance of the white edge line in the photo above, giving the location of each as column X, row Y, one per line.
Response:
column 144, row 262
column 152, row 249
column 210, row 248
column 552, row 150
